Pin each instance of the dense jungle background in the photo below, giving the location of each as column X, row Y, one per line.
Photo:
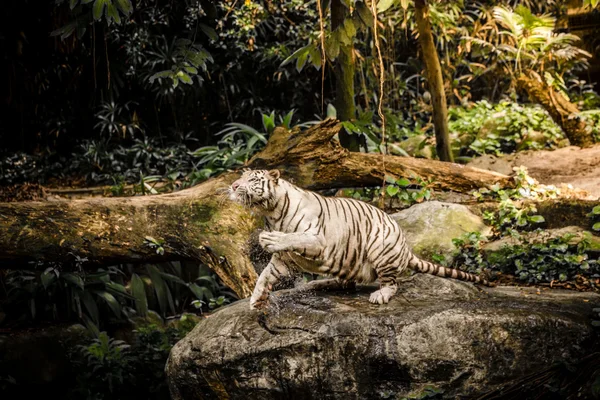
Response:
column 122, row 98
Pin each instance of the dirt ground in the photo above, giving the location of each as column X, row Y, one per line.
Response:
column 568, row 165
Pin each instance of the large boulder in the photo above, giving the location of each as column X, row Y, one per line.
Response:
column 430, row 227
column 436, row 333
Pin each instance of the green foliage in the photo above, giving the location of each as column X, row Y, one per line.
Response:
column 109, row 295
column 238, row 143
column 218, row 302
column 595, row 215
column 188, row 59
column 554, row 259
column 532, row 259
column 88, row 11
column 511, row 217
column 511, row 213
column 111, row 369
column 155, row 244
column 104, row 369
column 56, row 295
column 527, row 43
column 399, row 189
column 505, row 127
column 406, row 192
column 525, row 187
column 469, row 255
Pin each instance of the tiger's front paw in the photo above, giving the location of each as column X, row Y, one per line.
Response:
column 259, row 302
column 272, row 241
column 260, row 297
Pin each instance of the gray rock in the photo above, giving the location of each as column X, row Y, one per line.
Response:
column 436, row 332
column 430, row 227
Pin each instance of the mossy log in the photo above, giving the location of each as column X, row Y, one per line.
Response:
column 314, row 159
column 197, row 223
column 194, row 224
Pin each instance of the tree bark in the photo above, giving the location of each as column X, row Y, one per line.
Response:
column 433, row 72
column 197, row 223
column 315, row 160
column 563, row 112
column 344, row 78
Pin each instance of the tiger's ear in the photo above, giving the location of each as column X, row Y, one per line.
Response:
column 274, row 174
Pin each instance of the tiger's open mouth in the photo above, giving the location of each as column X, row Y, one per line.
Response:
column 240, row 195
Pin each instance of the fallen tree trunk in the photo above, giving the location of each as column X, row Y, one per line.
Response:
column 315, row 160
column 194, row 224
column 563, row 112
column 197, row 223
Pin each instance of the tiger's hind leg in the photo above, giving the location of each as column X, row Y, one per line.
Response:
column 386, row 274
column 328, row 284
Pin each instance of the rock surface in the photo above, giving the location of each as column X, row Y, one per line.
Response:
column 430, row 226
column 436, row 332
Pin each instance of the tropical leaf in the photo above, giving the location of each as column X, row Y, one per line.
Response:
column 160, row 288
column 91, row 306
column 139, row 293
column 208, row 31
column 110, row 300
column 99, row 8
column 294, row 55
column 125, row 6
column 73, row 279
column 112, row 13
column 383, row 5
column 364, row 13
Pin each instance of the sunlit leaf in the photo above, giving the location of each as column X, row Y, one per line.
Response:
column 383, row 5
column 301, row 61
column 349, row 28
column 364, row 13
column 537, row 219
column 112, row 12
column 392, row 190
column 403, row 182
column 99, row 8
column 294, row 56
column 331, row 111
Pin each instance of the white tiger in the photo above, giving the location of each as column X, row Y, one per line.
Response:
column 347, row 239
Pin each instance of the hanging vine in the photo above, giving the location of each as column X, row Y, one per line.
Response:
column 381, row 68
column 322, row 36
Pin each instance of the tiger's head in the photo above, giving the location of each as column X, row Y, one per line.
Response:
column 255, row 187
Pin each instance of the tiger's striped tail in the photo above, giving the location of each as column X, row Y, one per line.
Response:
column 427, row 267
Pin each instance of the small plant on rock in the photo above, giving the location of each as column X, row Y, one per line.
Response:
column 595, row 215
